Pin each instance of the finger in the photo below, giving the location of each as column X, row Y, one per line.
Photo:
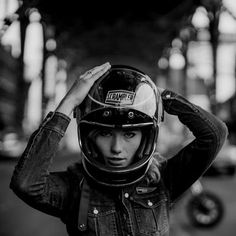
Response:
column 101, row 67
column 84, row 83
column 98, row 73
column 96, row 69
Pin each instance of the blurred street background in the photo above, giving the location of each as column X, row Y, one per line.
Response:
column 188, row 46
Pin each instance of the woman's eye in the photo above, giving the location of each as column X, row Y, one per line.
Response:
column 105, row 133
column 129, row 134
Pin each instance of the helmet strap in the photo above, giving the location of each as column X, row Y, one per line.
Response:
column 83, row 206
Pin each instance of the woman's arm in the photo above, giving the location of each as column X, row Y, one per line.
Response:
column 192, row 161
column 31, row 179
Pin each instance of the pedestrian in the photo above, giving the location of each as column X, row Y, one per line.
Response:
column 122, row 186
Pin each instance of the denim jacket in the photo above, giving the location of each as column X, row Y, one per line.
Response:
column 139, row 209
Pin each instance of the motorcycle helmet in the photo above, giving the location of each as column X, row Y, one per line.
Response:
column 124, row 97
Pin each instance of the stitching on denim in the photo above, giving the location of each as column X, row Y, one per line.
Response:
column 212, row 125
column 209, row 123
column 57, row 130
column 62, row 115
column 54, row 128
column 28, row 150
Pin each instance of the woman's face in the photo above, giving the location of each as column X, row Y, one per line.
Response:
column 118, row 146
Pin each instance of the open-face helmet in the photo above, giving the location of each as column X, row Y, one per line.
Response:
column 124, row 97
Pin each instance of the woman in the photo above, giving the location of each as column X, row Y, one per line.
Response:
column 121, row 187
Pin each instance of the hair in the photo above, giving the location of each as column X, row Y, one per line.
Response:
column 153, row 175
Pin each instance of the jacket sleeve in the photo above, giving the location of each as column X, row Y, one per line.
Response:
column 190, row 163
column 31, row 180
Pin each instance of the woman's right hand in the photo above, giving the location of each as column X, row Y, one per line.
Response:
column 80, row 89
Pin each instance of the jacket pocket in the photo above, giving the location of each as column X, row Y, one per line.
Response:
column 102, row 220
column 151, row 215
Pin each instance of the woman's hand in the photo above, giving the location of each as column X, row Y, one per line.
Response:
column 80, row 89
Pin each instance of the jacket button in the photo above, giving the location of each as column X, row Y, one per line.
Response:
column 126, row 195
column 150, row 203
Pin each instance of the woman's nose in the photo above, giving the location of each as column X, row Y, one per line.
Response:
column 116, row 145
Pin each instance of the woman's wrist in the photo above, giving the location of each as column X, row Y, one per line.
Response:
column 66, row 106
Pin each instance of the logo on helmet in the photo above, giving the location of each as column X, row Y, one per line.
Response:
column 120, row 97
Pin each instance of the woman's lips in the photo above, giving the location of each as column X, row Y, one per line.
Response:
column 116, row 161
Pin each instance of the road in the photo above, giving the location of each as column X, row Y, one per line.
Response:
column 18, row 219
